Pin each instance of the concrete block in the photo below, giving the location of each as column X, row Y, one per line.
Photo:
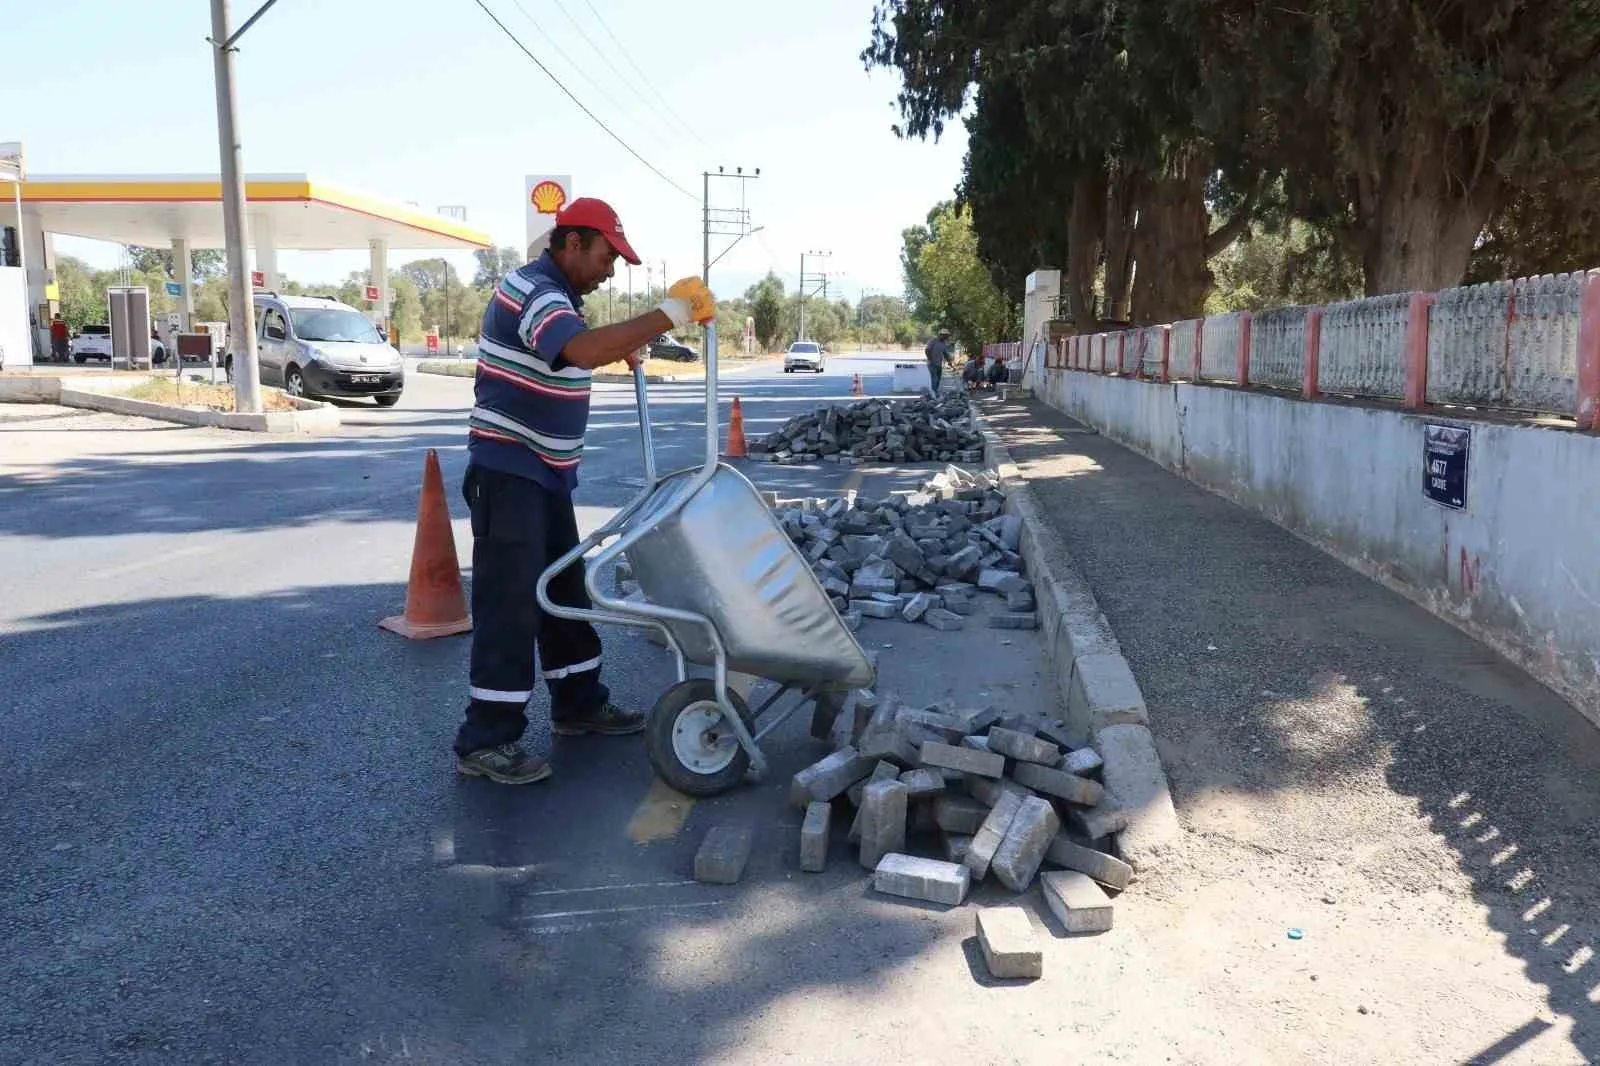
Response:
column 1022, row 747
column 1059, row 783
column 947, row 727
column 891, row 744
column 828, row 777
column 1021, row 600
column 956, row 846
column 1107, row 869
column 884, row 771
column 1137, row 785
column 1103, row 692
column 883, row 821
column 976, row 743
column 1011, row 949
column 963, row 607
column 1082, row 762
column 924, row 879
column 922, row 782
column 814, row 837
column 959, row 814
column 978, row 719
column 1077, row 902
column 1006, row 620
column 981, row 763
column 1026, row 840
column 722, row 855
column 873, row 609
column 944, row 621
column 986, row 841
column 988, row 791
column 919, row 605
column 1098, row 822
column 1054, row 731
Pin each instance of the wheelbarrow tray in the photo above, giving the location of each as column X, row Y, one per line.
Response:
column 723, row 554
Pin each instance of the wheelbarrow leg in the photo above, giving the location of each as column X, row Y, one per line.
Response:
column 825, row 711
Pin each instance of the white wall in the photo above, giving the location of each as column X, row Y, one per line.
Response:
column 1519, row 568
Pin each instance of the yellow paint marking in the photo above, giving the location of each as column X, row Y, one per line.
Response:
column 660, row 814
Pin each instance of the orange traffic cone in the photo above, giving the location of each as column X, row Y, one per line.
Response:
column 435, row 604
column 855, row 387
column 736, row 448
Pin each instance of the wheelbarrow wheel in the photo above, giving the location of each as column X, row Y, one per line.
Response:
column 690, row 743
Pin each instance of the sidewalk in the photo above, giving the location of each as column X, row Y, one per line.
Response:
column 1343, row 763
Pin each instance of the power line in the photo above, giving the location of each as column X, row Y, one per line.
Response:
column 578, row 68
column 643, row 79
column 595, row 118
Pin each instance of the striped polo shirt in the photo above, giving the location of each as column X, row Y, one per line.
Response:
column 530, row 406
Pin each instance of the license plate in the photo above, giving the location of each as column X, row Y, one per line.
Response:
column 364, row 379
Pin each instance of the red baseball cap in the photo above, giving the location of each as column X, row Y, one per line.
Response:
column 590, row 213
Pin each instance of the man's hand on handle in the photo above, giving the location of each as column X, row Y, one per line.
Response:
column 689, row 300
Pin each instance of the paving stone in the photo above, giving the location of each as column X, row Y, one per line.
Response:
column 978, row 719
column 722, row 855
column 1082, row 762
column 1054, row 731
column 988, row 791
column 924, row 879
column 967, row 760
column 1077, row 902
column 919, row 605
column 874, row 609
column 1020, row 600
column 1011, row 949
column 1023, row 747
column 923, row 781
column 865, row 586
column 884, row 771
column 1059, row 783
column 947, row 727
column 1026, row 841
column 959, row 814
column 891, row 743
column 956, row 846
column 1107, row 869
column 814, row 837
column 1007, row 620
column 828, row 777
column 957, row 605
column 986, row 841
column 943, row 620
column 976, row 743
column 883, row 821
column 1098, row 822
column 1004, row 582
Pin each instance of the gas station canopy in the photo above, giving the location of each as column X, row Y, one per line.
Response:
column 287, row 210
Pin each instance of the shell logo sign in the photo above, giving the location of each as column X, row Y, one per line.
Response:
column 548, row 197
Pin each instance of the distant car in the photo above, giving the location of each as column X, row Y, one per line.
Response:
column 803, row 355
column 668, row 347
column 317, row 347
column 94, row 342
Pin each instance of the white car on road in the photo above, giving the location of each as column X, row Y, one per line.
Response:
column 94, row 342
column 803, row 355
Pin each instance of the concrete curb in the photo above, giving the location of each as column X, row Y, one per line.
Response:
column 1098, row 689
column 312, row 416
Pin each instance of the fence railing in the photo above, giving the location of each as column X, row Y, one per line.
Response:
column 1525, row 345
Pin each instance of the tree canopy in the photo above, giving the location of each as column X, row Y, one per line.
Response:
column 1131, row 142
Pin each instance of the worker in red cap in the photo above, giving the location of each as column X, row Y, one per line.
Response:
column 530, row 411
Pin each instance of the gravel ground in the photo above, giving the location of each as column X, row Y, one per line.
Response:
column 1344, row 764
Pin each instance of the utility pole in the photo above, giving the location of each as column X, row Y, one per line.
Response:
column 822, row 278
column 723, row 221
column 236, row 234
column 444, row 265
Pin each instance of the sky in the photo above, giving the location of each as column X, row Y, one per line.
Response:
column 428, row 102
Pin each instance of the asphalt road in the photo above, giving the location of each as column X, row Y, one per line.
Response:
column 233, row 832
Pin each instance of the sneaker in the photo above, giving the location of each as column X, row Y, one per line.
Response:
column 508, row 764
column 608, row 720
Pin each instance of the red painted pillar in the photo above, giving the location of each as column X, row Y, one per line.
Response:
column 1416, row 393
column 1166, row 354
column 1242, row 361
column 1588, row 405
column 1308, row 384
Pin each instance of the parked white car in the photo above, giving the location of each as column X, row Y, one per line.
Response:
column 94, row 342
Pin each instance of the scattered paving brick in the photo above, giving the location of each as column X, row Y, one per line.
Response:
column 926, row 879
column 1024, row 747
column 1011, row 949
column 1107, row 869
column 814, row 837
column 1026, row 841
column 722, row 855
column 967, row 760
column 1077, row 902
column 1060, row 784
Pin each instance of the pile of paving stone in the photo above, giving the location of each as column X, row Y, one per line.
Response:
column 877, row 430
column 920, row 557
column 941, row 798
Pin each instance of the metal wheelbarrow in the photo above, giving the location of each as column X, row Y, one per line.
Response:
column 728, row 590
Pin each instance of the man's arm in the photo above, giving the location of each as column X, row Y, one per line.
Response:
column 594, row 348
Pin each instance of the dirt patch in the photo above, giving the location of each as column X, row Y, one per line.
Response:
column 197, row 397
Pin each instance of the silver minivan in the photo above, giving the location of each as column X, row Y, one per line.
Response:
column 315, row 346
